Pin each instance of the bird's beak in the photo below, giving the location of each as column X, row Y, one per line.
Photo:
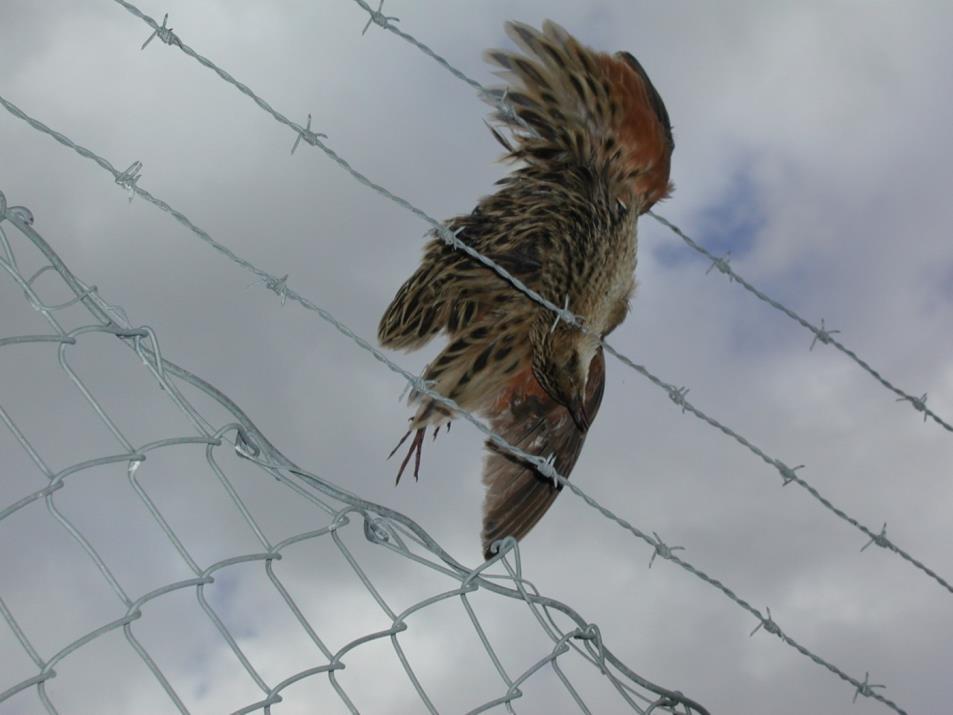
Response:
column 577, row 409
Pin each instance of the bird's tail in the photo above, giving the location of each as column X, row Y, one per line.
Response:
column 574, row 105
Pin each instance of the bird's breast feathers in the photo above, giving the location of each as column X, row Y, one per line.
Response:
column 604, row 298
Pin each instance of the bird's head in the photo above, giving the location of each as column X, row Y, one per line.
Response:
column 561, row 366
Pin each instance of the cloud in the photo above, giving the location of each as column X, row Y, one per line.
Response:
column 812, row 142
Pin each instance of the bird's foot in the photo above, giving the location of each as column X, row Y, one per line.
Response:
column 416, row 447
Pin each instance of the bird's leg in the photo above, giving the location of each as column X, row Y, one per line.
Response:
column 416, row 447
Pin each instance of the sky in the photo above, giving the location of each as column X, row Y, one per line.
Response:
column 812, row 142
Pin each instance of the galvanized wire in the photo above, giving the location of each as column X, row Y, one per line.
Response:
column 129, row 179
column 821, row 334
column 342, row 510
column 676, row 393
column 251, row 448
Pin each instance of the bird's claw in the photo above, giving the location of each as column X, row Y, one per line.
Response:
column 416, row 448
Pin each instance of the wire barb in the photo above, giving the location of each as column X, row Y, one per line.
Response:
column 548, row 470
column 128, row 179
column 866, row 688
column 768, row 624
column 278, row 286
column 662, row 549
column 919, row 403
column 309, row 136
column 723, row 264
column 880, row 539
column 559, row 316
column 163, row 33
column 677, row 395
column 788, row 473
column 822, row 335
column 500, row 100
column 377, row 17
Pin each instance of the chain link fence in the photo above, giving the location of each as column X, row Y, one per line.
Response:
column 345, row 518
column 340, row 519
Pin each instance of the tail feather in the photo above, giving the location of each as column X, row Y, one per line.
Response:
column 573, row 104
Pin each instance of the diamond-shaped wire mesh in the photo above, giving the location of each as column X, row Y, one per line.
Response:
column 195, row 628
column 229, row 452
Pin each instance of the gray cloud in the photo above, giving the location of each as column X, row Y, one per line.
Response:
column 834, row 116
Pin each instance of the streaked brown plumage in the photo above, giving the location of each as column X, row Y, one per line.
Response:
column 594, row 143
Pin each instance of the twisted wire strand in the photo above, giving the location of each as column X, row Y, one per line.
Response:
column 130, row 176
column 659, row 547
column 821, row 334
column 676, row 394
column 381, row 525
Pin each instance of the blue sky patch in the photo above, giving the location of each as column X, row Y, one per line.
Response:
column 729, row 224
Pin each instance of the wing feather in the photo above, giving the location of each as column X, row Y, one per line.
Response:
column 517, row 496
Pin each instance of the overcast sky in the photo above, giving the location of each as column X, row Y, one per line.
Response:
column 812, row 141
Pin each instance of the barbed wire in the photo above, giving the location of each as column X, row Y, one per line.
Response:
column 381, row 526
column 280, row 287
column 676, row 393
column 821, row 334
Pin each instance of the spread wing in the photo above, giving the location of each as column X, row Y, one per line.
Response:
column 517, row 496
